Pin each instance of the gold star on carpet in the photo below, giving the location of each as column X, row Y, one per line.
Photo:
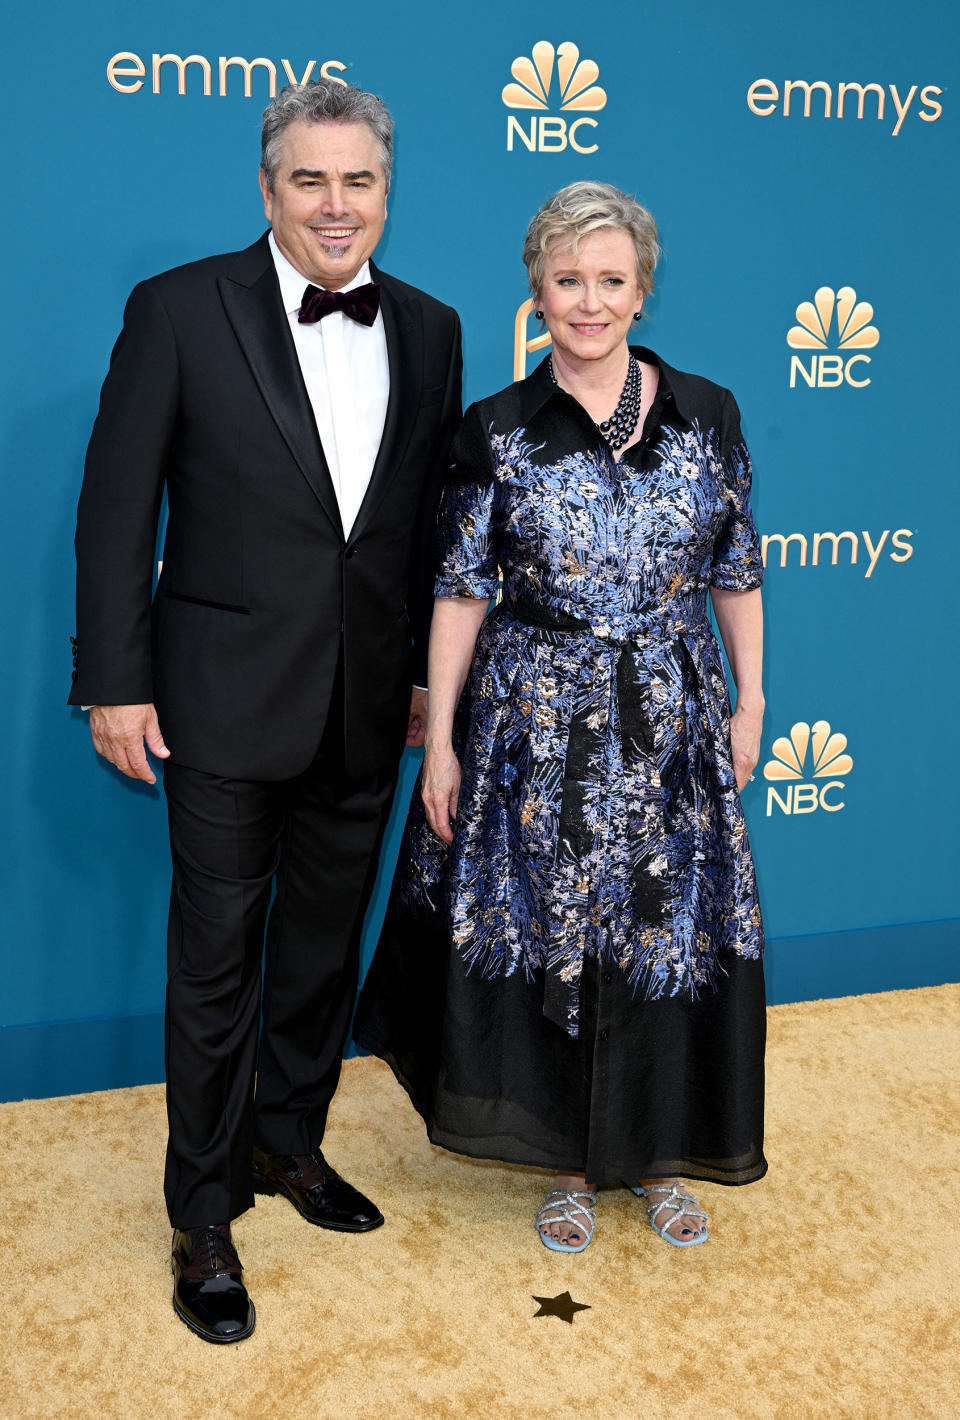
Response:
column 563, row 1306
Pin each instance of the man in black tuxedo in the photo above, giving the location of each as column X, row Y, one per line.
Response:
column 297, row 405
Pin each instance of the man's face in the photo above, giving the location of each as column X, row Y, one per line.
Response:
column 329, row 200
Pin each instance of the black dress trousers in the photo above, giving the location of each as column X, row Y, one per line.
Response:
column 317, row 838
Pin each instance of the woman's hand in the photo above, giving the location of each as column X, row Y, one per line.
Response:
column 441, row 789
column 746, row 727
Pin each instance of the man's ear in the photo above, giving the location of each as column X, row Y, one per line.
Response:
column 267, row 196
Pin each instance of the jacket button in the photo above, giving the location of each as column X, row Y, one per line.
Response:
column 349, row 552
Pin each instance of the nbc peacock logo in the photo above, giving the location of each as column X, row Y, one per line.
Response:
column 790, row 766
column 553, row 78
column 838, row 319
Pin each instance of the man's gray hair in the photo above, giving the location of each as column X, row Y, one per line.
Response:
column 323, row 101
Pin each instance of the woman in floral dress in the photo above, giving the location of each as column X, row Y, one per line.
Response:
column 570, row 971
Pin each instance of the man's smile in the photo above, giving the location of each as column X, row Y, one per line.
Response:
column 337, row 233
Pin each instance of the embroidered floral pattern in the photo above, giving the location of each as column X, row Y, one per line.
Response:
column 598, row 813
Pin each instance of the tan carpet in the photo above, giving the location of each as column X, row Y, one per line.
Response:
column 829, row 1289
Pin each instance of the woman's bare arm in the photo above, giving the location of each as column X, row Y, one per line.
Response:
column 453, row 636
column 740, row 619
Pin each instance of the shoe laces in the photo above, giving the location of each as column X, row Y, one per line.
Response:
column 313, row 1169
column 216, row 1242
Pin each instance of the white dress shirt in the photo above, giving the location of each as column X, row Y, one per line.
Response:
column 345, row 370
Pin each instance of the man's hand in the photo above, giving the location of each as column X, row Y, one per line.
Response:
column 119, row 732
column 417, row 725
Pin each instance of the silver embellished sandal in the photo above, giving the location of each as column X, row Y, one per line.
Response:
column 560, row 1206
column 678, row 1205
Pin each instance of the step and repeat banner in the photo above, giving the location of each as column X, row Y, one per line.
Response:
column 801, row 164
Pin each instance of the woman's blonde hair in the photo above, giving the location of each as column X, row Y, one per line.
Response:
column 583, row 207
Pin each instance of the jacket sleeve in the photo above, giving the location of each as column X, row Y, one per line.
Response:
column 425, row 550
column 119, row 508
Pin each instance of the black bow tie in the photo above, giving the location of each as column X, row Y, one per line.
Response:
column 361, row 304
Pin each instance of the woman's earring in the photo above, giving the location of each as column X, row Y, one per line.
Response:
column 637, row 315
column 539, row 315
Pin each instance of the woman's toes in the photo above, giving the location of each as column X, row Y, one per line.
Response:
column 685, row 1230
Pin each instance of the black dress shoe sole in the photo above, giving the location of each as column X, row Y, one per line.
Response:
column 211, row 1336
column 270, row 1187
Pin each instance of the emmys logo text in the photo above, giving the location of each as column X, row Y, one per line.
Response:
column 828, row 549
column 845, row 100
column 815, row 331
column 553, row 79
column 127, row 73
column 790, row 767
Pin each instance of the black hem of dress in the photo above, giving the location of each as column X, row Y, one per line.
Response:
column 618, row 1176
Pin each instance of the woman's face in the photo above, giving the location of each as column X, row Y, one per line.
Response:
column 589, row 300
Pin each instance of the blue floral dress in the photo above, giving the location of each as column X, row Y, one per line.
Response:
column 577, row 982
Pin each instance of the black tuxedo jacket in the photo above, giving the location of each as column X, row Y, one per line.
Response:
column 259, row 589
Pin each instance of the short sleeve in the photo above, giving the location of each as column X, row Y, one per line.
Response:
column 737, row 561
column 468, row 556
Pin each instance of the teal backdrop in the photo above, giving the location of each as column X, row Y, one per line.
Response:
column 801, row 162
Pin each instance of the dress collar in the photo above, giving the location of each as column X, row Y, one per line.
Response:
column 538, row 388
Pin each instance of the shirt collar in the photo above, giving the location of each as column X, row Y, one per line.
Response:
column 538, row 388
column 293, row 283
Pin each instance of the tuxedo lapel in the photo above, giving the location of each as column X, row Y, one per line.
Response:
column 403, row 328
column 251, row 299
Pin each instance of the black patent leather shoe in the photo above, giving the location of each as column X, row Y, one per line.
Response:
column 316, row 1190
column 208, row 1291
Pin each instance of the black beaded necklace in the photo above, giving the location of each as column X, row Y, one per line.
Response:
column 618, row 429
